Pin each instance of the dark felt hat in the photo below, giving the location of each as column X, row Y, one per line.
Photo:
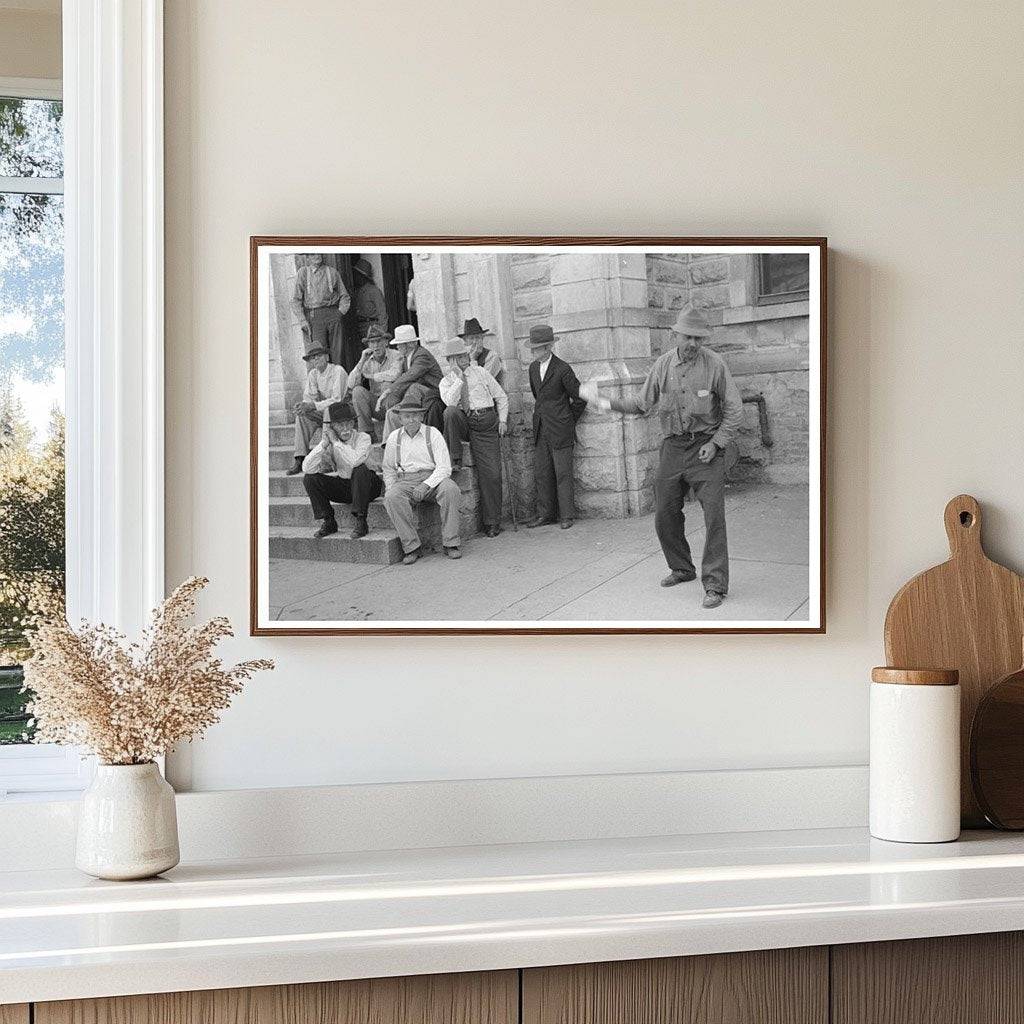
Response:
column 319, row 350
column 376, row 334
column 339, row 411
column 410, row 405
column 541, row 334
column 363, row 266
column 471, row 327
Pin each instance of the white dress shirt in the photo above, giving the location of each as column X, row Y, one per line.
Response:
column 343, row 455
column 416, row 457
column 544, row 367
column 323, row 387
column 483, row 390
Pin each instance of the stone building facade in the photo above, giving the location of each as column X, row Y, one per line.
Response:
column 612, row 313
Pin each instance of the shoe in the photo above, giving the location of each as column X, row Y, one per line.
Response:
column 539, row 522
column 296, row 469
column 453, row 552
column 412, row 557
column 566, row 524
column 360, row 529
column 712, row 599
column 493, row 531
column 675, row 577
column 327, row 527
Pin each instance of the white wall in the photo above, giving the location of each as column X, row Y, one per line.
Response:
column 895, row 129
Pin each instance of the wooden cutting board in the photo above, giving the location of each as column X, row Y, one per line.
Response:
column 967, row 614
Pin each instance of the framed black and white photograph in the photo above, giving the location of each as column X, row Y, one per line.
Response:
column 537, row 435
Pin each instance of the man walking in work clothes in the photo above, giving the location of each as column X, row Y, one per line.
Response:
column 557, row 407
column 700, row 409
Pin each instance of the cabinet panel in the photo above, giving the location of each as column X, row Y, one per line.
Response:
column 480, row 998
column 778, row 986
column 14, row 1013
column 962, row 979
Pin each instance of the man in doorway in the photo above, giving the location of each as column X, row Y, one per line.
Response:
column 336, row 471
column 700, row 409
column 378, row 367
column 370, row 308
column 476, row 411
column 473, row 334
column 417, row 468
column 557, row 407
column 419, row 379
column 325, row 384
column 321, row 300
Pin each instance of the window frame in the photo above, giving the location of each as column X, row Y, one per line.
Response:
column 112, row 90
column 771, row 298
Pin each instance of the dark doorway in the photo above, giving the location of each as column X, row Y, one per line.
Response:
column 396, row 270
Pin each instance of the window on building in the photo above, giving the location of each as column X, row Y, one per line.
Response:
column 31, row 415
column 783, row 277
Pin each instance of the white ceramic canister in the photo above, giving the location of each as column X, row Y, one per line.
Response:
column 915, row 755
column 127, row 825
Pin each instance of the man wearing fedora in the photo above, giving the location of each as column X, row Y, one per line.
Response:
column 418, row 379
column 369, row 299
column 700, row 409
column 336, row 471
column 321, row 300
column 473, row 335
column 557, row 407
column 417, row 468
column 325, row 384
column 476, row 409
column 378, row 367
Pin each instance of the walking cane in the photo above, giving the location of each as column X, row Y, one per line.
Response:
column 509, row 483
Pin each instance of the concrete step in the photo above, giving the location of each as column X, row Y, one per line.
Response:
column 282, row 433
column 282, row 457
column 280, row 417
column 298, row 512
column 284, row 486
column 380, row 547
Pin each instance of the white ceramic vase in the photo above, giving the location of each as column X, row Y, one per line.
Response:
column 127, row 825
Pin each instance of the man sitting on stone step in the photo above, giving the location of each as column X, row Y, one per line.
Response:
column 419, row 377
column 417, row 468
column 378, row 368
column 476, row 411
column 336, row 470
column 325, row 384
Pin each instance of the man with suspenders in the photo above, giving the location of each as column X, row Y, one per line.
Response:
column 417, row 467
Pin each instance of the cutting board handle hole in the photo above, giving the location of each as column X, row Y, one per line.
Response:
column 966, row 519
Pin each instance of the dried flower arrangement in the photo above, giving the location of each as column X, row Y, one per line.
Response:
column 129, row 703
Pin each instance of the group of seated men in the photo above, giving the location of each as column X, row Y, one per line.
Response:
column 398, row 393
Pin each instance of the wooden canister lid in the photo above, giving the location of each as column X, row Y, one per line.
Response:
column 916, row 676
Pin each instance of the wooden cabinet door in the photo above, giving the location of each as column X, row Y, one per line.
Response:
column 960, row 979
column 480, row 998
column 14, row 1013
column 778, row 986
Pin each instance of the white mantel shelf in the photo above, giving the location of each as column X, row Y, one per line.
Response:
column 266, row 922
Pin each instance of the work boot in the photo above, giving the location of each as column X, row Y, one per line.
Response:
column 453, row 552
column 493, row 530
column 360, row 529
column 676, row 577
column 712, row 599
column 297, row 468
column 566, row 524
column 412, row 557
column 327, row 527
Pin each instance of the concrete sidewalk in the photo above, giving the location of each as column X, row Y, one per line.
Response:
column 601, row 569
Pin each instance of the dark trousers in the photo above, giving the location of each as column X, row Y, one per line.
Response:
column 552, row 471
column 679, row 472
column 358, row 492
column 480, row 428
column 325, row 330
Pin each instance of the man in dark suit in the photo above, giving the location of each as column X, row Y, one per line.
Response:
column 419, row 380
column 557, row 407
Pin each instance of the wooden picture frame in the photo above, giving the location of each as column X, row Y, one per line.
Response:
column 711, row 273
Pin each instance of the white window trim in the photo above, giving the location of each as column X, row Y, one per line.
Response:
column 114, row 324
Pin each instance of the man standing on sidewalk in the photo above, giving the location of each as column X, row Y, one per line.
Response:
column 336, row 470
column 476, row 410
column 321, row 300
column 558, row 405
column 417, row 468
column 473, row 335
column 700, row 409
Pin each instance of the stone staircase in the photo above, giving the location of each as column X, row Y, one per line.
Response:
column 291, row 524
